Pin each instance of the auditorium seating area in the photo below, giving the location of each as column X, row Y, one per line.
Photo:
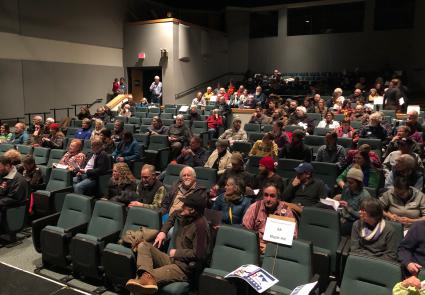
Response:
column 79, row 234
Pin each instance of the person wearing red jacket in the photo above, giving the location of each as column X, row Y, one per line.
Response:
column 214, row 121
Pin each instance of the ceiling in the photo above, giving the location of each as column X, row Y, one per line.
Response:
column 222, row 4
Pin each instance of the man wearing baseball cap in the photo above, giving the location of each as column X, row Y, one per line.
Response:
column 192, row 238
column 304, row 190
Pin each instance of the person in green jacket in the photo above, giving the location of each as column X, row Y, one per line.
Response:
column 350, row 198
column 5, row 134
column 370, row 174
column 410, row 286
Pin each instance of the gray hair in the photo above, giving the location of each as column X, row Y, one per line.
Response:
column 151, row 168
column 191, row 170
column 180, row 116
column 408, row 160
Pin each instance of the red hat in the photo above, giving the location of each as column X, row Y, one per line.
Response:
column 54, row 126
column 267, row 162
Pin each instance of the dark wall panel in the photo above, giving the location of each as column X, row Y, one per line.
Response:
column 9, row 17
column 96, row 22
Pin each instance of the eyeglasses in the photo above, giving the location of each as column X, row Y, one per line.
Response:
column 269, row 195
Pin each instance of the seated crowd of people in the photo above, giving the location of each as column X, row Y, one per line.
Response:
column 394, row 172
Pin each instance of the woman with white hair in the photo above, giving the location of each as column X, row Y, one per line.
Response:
column 337, row 95
column 98, row 126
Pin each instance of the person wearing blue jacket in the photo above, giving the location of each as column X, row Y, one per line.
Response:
column 232, row 203
column 128, row 150
column 20, row 136
column 84, row 132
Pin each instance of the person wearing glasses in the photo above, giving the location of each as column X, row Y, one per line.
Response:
column 256, row 216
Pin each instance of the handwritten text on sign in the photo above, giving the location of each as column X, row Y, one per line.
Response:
column 279, row 230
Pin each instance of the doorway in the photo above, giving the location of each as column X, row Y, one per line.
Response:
column 140, row 79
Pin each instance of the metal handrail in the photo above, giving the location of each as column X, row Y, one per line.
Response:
column 89, row 105
column 196, row 87
column 36, row 113
column 17, row 119
column 60, row 109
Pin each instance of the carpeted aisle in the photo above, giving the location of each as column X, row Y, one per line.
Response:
column 17, row 276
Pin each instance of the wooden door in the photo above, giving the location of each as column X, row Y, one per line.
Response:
column 137, row 84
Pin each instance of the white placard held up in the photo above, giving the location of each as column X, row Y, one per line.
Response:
column 213, row 98
column 279, row 230
column 414, row 108
column 183, row 109
column 378, row 100
column 401, row 101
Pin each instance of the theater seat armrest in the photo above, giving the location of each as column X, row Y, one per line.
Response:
column 111, row 238
column 341, row 245
column 47, row 220
column 43, row 193
column 346, row 249
column 37, row 226
column 63, row 190
column 331, row 289
column 81, row 228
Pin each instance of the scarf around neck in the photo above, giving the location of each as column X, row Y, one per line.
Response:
column 372, row 235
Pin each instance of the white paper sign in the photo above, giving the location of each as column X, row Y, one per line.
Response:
column 378, row 100
column 401, row 101
column 414, row 108
column 279, row 231
column 213, row 98
column 304, row 289
column 330, row 202
column 183, row 109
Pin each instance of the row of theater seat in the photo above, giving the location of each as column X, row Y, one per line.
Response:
column 89, row 240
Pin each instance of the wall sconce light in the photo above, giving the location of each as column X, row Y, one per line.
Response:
column 164, row 52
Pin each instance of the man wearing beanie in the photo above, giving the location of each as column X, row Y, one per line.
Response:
column 267, row 174
column 192, row 238
column 350, row 198
column 236, row 133
column 304, row 190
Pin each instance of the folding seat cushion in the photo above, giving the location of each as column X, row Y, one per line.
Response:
column 51, row 199
column 119, row 261
column 105, row 227
column 233, row 247
column 366, row 275
column 206, row 177
column 54, row 239
column 291, row 265
column 55, row 156
column 24, row 149
column 41, row 155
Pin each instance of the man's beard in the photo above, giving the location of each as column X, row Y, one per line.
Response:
column 187, row 183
